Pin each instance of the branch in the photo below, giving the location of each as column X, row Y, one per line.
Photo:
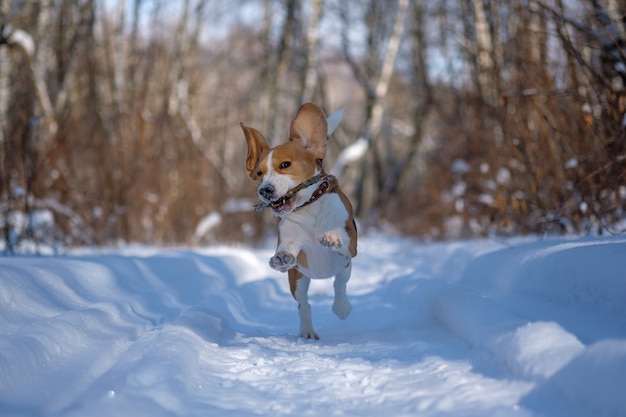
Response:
column 345, row 44
column 196, row 135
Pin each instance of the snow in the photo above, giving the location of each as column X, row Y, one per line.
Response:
column 503, row 176
column 350, row 154
column 460, row 166
column 334, row 120
column 571, row 163
column 207, row 223
column 521, row 327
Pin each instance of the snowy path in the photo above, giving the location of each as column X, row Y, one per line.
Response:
column 526, row 328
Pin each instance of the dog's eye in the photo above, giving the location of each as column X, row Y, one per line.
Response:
column 259, row 173
column 285, row 164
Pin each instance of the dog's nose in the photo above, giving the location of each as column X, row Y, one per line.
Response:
column 267, row 191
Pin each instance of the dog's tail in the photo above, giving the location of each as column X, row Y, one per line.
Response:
column 333, row 121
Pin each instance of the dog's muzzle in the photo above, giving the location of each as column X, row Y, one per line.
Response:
column 284, row 203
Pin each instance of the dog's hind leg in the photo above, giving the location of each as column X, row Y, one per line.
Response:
column 299, row 285
column 341, row 305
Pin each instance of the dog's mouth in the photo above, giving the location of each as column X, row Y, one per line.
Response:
column 286, row 203
column 279, row 206
column 283, row 205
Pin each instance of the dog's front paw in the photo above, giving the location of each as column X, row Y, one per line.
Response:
column 330, row 239
column 283, row 261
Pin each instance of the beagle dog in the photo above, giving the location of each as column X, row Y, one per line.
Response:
column 317, row 236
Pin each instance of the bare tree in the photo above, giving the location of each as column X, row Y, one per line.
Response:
column 309, row 79
column 374, row 79
column 421, row 103
column 288, row 36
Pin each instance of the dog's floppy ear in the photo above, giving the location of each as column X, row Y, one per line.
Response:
column 256, row 146
column 310, row 128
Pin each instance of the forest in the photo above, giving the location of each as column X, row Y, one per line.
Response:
column 119, row 119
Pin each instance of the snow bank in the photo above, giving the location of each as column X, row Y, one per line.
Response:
column 592, row 384
column 531, row 350
column 584, row 274
column 534, row 307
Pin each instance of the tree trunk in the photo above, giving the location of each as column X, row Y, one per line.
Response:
column 5, row 95
column 422, row 94
column 380, row 85
column 282, row 63
column 309, row 81
column 484, row 49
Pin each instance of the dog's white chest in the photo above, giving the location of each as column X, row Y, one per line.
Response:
column 306, row 226
column 322, row 262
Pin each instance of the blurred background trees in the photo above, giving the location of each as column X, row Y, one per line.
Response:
column 119, row 119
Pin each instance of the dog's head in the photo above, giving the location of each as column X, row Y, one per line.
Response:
column 281, row 168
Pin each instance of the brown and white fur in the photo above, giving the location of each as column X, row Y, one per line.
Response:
column 316, row 241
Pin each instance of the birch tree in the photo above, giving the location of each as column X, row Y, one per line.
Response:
column 421, row 104
column 286, row 43
column 374, row 78
column 309, row 79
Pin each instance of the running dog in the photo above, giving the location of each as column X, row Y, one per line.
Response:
column 317, row 236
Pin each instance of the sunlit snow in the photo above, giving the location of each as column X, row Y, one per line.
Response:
column 522, row 327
